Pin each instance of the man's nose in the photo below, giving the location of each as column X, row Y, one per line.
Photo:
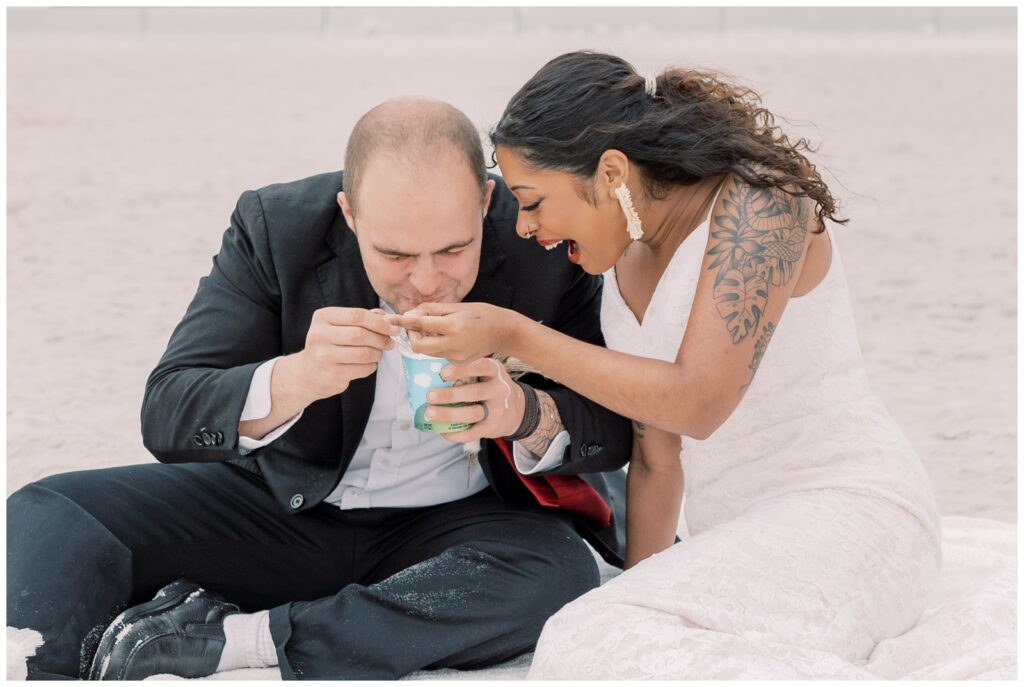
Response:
column 425, row 277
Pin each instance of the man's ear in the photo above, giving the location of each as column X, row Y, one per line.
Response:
column 612, row 171
column 487, row 195
column 346, row 210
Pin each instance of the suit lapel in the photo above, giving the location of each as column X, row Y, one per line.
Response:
column 489, row 288
column 344, row 283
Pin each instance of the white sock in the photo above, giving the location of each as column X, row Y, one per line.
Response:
column 247, row 642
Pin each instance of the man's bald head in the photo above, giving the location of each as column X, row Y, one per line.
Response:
column 415, row 130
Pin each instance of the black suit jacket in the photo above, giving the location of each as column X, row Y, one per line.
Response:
column 287, row 253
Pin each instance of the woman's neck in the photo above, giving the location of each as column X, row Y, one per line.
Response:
column 667, row 222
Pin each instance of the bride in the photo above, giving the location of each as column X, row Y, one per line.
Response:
column 813, row 528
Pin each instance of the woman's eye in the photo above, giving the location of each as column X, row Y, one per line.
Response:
column 531, row 207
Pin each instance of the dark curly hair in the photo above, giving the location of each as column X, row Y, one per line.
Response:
column 696, row 125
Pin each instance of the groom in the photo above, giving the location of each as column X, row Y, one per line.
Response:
column 297, row 517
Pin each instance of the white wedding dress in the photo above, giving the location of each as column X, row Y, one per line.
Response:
column 813, row 531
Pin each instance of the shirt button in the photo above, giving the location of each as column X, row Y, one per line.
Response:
column 406, row 426
column 297, row 501
column 386, row 462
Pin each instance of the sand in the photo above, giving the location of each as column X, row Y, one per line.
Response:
column 126, row 156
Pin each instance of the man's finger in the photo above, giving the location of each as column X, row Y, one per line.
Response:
column 466, row 435
column 353, row 355
column 357, row 317
column 481, row 367
column 354, row 336
column 464, row 393
column 470, row 413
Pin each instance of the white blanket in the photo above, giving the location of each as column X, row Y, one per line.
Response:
column 969, row 630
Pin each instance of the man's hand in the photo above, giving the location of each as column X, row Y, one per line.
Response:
column 342, row 344
column 496, row 403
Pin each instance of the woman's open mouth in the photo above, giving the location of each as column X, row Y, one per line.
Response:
column 574, row 249
column 574, row 252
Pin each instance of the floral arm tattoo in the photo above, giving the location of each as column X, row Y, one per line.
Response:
column 549, row 427
column 757, row 243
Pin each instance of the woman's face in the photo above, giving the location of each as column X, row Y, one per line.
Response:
column 552, row 211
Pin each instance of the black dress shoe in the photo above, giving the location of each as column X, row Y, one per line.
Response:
column 180, row 632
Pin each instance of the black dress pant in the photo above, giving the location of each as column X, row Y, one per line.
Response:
column 371, row 593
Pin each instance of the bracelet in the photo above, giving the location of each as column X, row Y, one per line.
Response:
column 531, row 414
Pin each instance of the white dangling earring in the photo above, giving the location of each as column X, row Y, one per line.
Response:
column 633, row 226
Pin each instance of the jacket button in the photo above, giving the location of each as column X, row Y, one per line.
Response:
column 218, row 438
column 207, row 439
column 297, row 501
column 197, row 440
column 583, row 450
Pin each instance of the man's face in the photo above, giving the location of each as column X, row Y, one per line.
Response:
column 419, row 229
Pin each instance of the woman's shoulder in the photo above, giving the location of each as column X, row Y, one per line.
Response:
column 760, row 201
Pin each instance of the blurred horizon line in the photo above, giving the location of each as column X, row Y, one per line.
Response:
column 601, row 21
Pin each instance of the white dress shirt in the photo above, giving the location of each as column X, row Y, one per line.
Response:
column 395, row 464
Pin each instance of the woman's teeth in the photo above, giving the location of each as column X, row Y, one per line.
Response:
column 552, row 246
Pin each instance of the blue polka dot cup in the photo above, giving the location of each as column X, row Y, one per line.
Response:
column 423, row 373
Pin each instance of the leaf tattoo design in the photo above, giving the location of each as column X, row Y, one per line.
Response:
column 757, row 243
column 761, row 346
column 741, row 302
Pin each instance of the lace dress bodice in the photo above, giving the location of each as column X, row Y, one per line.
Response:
column 809, row 419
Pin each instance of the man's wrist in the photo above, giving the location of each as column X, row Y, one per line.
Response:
column 531, row 414
column 550, row 426
column 286, row 387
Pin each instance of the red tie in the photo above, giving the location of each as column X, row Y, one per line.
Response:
column 567, row 492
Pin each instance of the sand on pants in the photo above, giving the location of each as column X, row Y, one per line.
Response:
column 126, row 156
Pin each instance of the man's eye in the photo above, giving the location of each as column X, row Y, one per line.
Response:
column 453, row 252
column 531, row 207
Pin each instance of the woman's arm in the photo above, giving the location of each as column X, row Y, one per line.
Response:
column 654, row 492
column 754, row 254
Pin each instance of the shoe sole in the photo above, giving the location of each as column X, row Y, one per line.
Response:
column 139, row 612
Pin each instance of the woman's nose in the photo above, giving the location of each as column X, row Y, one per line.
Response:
column 525, row 228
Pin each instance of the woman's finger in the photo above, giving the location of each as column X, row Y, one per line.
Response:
column 438, row 309
column 428, row 324
column 429, row 345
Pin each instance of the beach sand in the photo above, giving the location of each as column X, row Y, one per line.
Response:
column 126, row 156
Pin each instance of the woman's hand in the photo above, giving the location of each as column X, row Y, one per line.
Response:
column 459, row 332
